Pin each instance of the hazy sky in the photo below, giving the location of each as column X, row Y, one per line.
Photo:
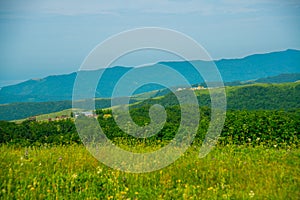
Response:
column 43, row 37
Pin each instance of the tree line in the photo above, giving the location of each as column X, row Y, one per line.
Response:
column 268, row 127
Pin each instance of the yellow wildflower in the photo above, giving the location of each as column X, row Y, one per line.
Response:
column 251, row 194
column 74, row 176
column 210, row 188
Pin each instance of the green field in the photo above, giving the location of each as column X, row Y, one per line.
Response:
column 257, row 155
column 229, row 172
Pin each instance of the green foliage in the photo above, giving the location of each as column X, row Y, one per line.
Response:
column 249, row 97
column 264, row 97
column 38, row 133
column 260, row 127
column 70, row 172
column 269, row 128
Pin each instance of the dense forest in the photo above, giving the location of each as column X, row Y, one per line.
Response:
column 265, row 127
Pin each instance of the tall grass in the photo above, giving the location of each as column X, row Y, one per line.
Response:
column 228, row 172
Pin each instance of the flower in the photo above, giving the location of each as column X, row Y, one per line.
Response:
column 251, row 194
column 210, row 188
column 99, row 170
column 74, row 176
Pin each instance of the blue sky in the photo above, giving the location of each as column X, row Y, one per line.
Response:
column 40, row 38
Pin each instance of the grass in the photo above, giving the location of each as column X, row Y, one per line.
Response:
column 228, row 172
column 53, row 115
column 47, row 116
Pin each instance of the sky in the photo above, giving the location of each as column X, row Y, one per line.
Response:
column 41, row 38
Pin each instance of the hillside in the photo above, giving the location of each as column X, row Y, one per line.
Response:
column 60, row 87
column 15, row 111
column 258, row 96
column 281, row 78
column 244, row 97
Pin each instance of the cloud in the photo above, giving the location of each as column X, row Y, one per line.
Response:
column 78, row 7
column 118, row 7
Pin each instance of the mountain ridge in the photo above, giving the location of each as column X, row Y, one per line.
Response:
column 60, row 87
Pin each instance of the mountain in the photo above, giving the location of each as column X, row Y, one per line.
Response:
column 60, row 87
column 281, row 78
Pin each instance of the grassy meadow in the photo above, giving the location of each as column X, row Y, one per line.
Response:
column 257, row 155
column 228, row 172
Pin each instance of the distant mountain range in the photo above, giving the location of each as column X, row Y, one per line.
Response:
column 284, row 66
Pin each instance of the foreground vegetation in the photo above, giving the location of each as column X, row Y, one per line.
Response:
column 228, row 172
column 264, row 127
column 257, row 155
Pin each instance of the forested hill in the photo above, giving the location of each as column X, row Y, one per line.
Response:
column 60, row 87
column 249, row 97
column 284, row 96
